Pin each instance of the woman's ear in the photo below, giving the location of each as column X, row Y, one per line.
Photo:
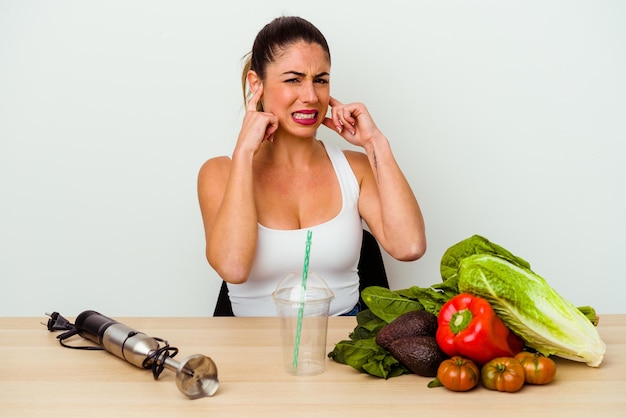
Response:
column 253, row 81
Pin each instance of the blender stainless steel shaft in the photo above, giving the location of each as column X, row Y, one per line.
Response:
column 196, row 375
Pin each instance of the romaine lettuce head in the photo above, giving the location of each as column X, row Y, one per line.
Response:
column 476, row 244
column 531, row 308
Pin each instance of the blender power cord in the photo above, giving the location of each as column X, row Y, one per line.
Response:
column 154, row 361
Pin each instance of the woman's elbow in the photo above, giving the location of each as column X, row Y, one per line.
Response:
column 233, row 275
column 411, row 252
column 235, row 272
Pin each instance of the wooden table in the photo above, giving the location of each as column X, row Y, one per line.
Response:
column 40, row 378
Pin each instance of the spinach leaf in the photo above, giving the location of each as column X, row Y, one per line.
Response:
column 431, row 299
column 361, row 351
column 387, row 304
column 354, row 353
column 449, row 287
column 368, row 325
column 385, row 366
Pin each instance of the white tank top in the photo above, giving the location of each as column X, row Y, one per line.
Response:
column 334, row 253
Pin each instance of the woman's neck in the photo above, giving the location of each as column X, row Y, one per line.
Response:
column 290, row 152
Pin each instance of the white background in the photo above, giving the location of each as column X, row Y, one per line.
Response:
column 508, row 118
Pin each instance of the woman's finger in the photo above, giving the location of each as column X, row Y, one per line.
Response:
column 254, row 100
column 344, row 118
column 336, row 113
column 271, row 128
column 334, row 102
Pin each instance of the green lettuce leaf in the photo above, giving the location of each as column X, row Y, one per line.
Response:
column 475, row 244
column 531, row 308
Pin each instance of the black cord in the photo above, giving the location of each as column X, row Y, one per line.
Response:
column 156, row 359
column 71, row 333
column 57, row 322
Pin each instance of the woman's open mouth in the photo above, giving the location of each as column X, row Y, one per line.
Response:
column 305, row 117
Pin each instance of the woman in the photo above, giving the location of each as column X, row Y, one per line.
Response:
column 281, row 182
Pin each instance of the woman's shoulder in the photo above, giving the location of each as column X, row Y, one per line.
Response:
column 354, row 155
column 216, row 163
column 216, row 167
column 358, row 162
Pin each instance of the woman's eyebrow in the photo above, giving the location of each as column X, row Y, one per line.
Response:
column 299, row 74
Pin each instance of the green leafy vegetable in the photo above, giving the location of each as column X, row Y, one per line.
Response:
column 522, row 299
column 361, row 350
column 590, row 313
column 475, row 244
column 387, row 304
column 532, row 309
column 431, row 299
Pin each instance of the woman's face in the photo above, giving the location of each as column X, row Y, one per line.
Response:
column 296, row 88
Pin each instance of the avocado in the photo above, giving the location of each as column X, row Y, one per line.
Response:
column 420, row 354
column 410, row 324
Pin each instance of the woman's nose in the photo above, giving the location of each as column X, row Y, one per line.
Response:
column 308, row 93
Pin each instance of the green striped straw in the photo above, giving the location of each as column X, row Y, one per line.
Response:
column 305, row 274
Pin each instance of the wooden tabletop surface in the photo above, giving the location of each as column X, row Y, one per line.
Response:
column 40, row 378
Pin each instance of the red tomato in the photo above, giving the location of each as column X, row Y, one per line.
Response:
column 504, row 374
column 538, row 369
column 458, row 374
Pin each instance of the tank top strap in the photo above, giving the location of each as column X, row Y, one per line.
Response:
column 347, row 180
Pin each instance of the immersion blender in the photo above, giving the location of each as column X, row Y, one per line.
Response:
column 196, row 375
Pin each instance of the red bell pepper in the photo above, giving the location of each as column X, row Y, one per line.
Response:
column 469, row 327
